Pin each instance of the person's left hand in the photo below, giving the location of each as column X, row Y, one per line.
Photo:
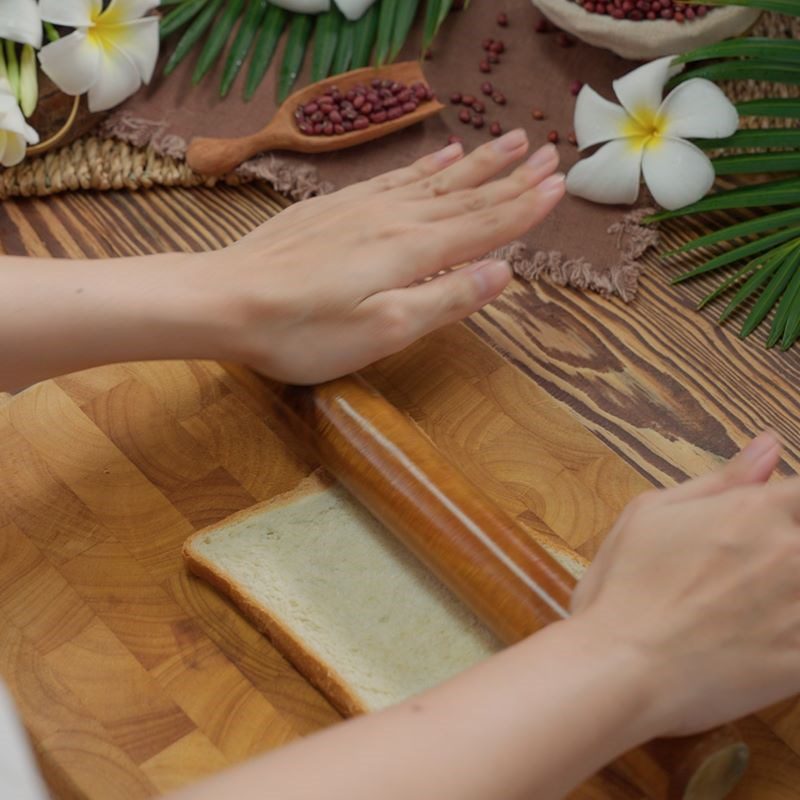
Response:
column 334, row 283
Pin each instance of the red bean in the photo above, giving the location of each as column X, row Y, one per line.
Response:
column 453, row 139
column 487, row 88
column 487, row 43
column 335, row 117
column 499, row 98
column 455, row 98
column 378, row 117
column 502, row 19
column 409, row 107
column 360, row 123
column 495, row 129
column 564, row 40
column 537, row 113
column 477, row 121
column 484, row 66
column 464, row 116
column 498, row 47
column 553, row 137
column 478, row 107
column 468, row 99
column 394, row 113
column 543, row 26
column 493, row 58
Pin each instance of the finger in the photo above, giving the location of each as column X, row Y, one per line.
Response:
column 401, row 316
column 478, row 167
column 532, row 172
column 452, row 241
column 754, row 464
column 421, row 169
column 785, row 494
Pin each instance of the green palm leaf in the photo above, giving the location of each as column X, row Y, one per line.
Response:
column 364, row 35
column 763, row 137
column 783, row 273
column 786, row 50
column 749, row 69
column 738, row 253
column 435, row 14
column 781, row 6
column 757, row 163
column 785, row 107
column 326, row 37
column 791, row 297
column 775, row 193
column 762, row 274
column 299, row 33
column 768, row 222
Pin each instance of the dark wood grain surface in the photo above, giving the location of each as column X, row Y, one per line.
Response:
column 660, row 385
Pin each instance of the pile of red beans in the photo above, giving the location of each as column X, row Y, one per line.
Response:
column 336, row 112
column 638, row 10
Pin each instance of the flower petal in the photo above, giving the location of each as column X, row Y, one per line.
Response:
column 117, row 79
column 641, row 90
column 72, row 62
column 597, row 119
column 611, row 175
column 74, row 13
column 676, row 172
column 20, row 22
column 304, row 6
column 14, row 150
column 698, row 108
column 120, row 11
column 353, row 9
column 139, row 41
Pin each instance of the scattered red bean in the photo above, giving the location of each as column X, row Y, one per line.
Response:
column 497, row 47
column 493, row 58
column 543, row 26
column 477, row 121
column 564, row 40
column 468, row 99
column 484, row 66
column 478, row 107
column 502, row 19
column 572, row 139
column 465, row 116
column 453, row 139
column 575, row 88
column 499, row 98
column 455, row 98
column 495, row 129
column 553, row 137
column 334, row 113
column 486, row 44
column 537, row 113
column 487, row 88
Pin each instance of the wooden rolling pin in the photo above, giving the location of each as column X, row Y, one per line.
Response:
column 477, row 550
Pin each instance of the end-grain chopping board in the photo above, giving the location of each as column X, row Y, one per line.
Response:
column 135, row 678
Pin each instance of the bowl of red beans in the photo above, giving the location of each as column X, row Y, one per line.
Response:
column 645, row 29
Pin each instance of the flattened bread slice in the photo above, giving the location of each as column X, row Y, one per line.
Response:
column 345, row 602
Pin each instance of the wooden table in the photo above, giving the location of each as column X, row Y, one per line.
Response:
column 134, row 678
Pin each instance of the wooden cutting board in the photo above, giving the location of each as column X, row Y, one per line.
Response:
column 135, row 678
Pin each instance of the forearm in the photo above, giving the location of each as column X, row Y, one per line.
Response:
column 58, row 316
column 534, row 721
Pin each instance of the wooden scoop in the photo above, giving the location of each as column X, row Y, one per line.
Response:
column 221, row 156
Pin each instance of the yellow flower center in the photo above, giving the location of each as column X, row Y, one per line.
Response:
column 644, row 128
column 106, row 29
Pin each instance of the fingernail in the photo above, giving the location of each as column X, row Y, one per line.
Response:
column 511, row 141
column 543, row 156
column 449, row 153
column 764, row 444
column 552, row 185
column 491, row 277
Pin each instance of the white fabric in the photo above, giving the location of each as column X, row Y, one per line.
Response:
column 19, row 779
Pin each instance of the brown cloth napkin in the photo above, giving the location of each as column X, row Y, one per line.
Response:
column 581, row 244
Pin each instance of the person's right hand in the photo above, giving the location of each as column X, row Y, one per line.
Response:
column 703, row 581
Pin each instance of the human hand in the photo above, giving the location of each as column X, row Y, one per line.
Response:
column 703, row 581
column 337, row 282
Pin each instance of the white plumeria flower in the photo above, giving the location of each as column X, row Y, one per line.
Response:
column 20, row 22
column 15, row 133
column 647, row 136
column 109, row 55
column 352, row 9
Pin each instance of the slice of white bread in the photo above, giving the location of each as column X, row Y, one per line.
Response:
column 346, row 603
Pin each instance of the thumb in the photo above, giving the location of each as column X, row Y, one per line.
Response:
column 755, row 463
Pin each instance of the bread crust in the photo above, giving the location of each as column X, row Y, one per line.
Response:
column 315, row 670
